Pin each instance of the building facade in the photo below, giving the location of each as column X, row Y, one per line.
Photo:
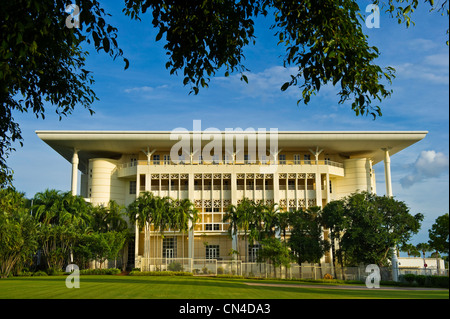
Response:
column 215, row 169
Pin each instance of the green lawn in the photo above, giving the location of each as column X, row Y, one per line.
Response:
column 152, row 287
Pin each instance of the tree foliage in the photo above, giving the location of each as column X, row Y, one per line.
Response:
column 438, row 234
column 306, row 240
column 371, row 225
column 18, row 239
column 42, row 62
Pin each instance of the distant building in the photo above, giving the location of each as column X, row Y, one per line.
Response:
column 216, row 169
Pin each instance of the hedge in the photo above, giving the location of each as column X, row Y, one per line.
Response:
column 426, row 281
column 107, row 271
column 159, row 273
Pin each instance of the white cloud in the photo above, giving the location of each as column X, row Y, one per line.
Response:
column 433, row 68
column 423, row 44
column 437, row 60
column 145, row 89
column 429, row 164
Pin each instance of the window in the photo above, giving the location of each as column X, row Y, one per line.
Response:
column 212, row 227
column 155, row 159
column 307, row 158
column 291, row 185
column 169, row 247
column 166, row 159
column 253, row 253
column 246, row 159
column 133, row 161
column 331, row 189
column 297, row 159
column 263, row 159
column 132, row 187
column 181, row 159
column 282, row 159
column 212, row 251
column 215, row 159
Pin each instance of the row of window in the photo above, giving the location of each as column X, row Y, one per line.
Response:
column 211, row 251
column 249, row 186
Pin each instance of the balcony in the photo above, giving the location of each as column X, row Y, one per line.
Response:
column 130, row 168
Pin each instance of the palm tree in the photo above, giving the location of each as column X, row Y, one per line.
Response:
column 141, row 211
column 47, row 206
column 283, row 222
column 270, row 218
column 424, row 247
column 162, row 215
column 231, row 217
column 186, row 213
column 246, row 212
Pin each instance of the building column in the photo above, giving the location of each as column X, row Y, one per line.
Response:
column 387, row 172
column 318, row 179
column 387, row 175
column 191, row 230
column 75, row 162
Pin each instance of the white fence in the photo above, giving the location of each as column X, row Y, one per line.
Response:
column 264, row 270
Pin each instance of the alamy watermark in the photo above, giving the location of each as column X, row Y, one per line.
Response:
column 374, row 277
column 237, row 146
column 73, row 279
column 73, row 19
column 373, row 19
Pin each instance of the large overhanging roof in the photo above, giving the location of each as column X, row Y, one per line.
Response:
column 112, row 144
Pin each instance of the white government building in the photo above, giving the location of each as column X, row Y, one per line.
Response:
column 217, row 168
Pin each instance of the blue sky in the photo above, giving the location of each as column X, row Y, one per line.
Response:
column 147, row 97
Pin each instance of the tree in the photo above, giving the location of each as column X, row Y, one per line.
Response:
column 246, row 218
column 185, row 213
column 141, row 212
column 438, row 234
column 231, row 216
column 17, row 231
column 333, row 218
column 424, row 248
column 43, row 61
column 275, row 252
column 410, row 249
column 373, row 225
column 306, row 240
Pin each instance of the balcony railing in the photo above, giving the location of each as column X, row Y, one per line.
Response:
column 263, row 163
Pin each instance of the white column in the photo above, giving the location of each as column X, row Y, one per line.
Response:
column 191, row 230
column 387, row 172
column 387, row 175
column 75, row 162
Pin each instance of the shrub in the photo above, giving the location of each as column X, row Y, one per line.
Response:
column 40, row 273
column 160, row 273
column 421, row 279
column 428, row 281
column 230, row 276
column 174, row 266
column 438, row 281
column 107, row 271
column 220, row 270
column 327, row 276
column 410, row 278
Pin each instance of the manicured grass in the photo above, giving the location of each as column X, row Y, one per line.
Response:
column 151, row 287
